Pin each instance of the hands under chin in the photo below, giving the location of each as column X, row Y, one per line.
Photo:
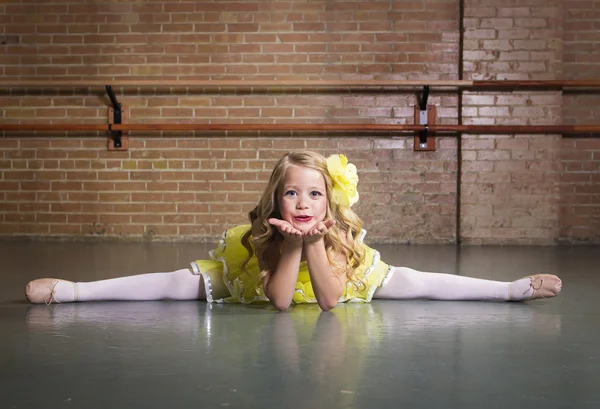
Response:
column 312, row 235
column 289, row 232
column 317, row 232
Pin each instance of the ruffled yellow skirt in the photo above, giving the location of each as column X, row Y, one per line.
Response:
column 225, row 281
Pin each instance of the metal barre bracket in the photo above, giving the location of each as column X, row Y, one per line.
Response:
column 424, row 115
column 116, row 135
column 117, row 139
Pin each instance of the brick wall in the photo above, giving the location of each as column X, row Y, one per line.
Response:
column 580, row 156
column 510, row 183
column 183, row 185
column 193, row 185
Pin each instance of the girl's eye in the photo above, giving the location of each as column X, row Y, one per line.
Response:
column 316, row 193
column 290, row 193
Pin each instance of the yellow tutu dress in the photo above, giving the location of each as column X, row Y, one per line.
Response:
column 225, row 281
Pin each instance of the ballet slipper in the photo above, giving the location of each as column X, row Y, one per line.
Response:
column 543, row 285
column 42, row 291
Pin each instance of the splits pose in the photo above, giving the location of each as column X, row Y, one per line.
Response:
column 304, row 244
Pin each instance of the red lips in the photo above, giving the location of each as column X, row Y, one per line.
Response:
column 303, row 219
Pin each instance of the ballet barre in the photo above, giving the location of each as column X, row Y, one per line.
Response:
column 334, row 84
column 447, row 129
column 425, row 116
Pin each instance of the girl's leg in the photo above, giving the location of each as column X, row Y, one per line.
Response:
column 407, row 283
column 176, row 285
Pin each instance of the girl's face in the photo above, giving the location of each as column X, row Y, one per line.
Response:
column 303, row 197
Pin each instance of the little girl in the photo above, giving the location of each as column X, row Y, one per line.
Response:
column 304, row 245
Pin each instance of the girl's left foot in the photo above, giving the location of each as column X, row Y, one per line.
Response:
column 535, row 287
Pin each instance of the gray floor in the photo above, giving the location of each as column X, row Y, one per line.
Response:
column 387, row 354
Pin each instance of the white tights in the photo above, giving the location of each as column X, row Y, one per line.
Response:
column 176, row 285
column 405, row 283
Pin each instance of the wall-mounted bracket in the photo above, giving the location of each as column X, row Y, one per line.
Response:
column 425, row 140
column 424, row 98
column 117, row 114
column 425, row 115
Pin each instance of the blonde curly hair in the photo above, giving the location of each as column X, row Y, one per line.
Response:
column 342, row 238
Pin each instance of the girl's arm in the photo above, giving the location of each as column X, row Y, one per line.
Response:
column 279, row 282
column 327, row 285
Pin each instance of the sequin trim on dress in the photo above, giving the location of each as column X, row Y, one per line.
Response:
column 374, row 262
column 221, row 247
column 388, row 276
column 231, row 285
column 206, row 279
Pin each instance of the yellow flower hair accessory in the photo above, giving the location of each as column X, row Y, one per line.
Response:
column 345, row 179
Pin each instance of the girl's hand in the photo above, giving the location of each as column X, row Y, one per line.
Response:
column 289, row 232
column 318, row 232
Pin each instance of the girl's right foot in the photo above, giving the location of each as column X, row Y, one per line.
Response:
column 45, row 291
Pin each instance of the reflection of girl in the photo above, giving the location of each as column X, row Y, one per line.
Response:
column 314, row 356
column 304, row 245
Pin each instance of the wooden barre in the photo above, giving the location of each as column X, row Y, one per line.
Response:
column 228, row 83
column 354, row 84
column 453, row 129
